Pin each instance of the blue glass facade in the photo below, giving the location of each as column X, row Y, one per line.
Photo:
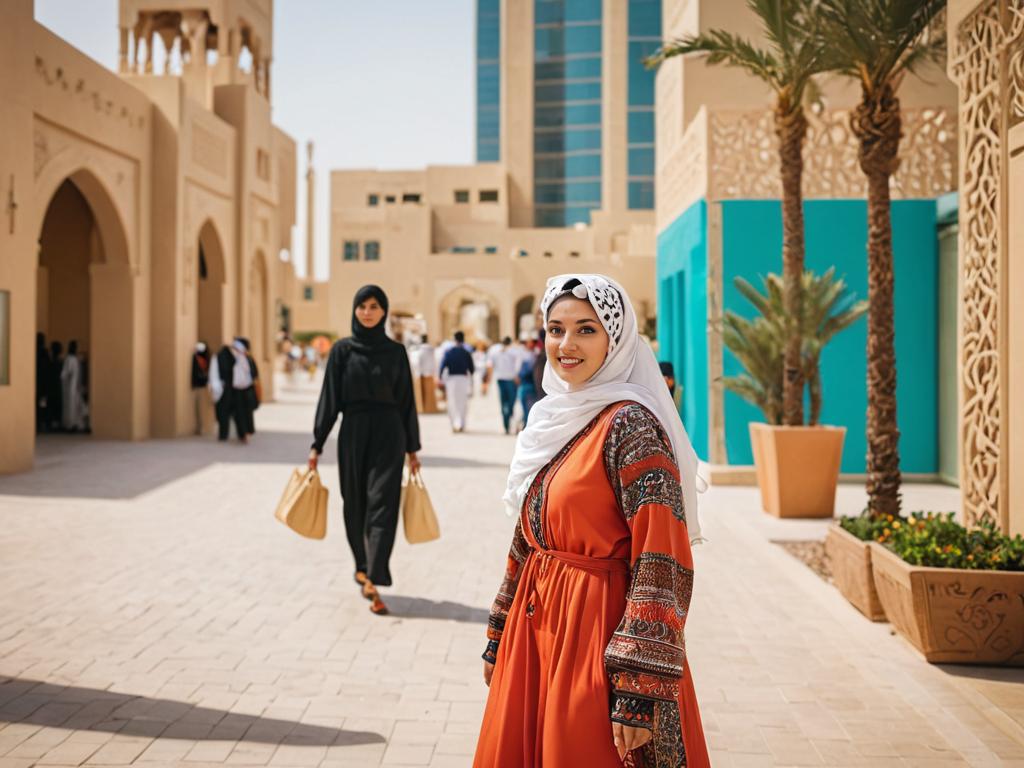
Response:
column 644, row 39
column 567, row 111
column 488, row 81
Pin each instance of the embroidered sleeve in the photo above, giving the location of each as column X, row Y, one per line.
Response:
column 506, row 593
column 646, row 656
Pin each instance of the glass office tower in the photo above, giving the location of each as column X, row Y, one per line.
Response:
column 488, row 81
column 567, row 111
column 644, row 39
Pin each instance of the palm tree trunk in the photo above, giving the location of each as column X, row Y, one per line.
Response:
column 877, row 124
column 791, row 128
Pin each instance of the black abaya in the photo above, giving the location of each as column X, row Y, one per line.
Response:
column 371, row 387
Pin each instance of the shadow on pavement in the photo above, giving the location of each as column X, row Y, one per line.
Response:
column 90, row 709
column 419, row 608
column 84, row 467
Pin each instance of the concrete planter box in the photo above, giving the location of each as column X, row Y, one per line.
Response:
column 851, row 571
column 797, row 468
column 951, row 615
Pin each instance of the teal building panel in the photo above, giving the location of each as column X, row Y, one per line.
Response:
column 836, row 235
column 682, row 315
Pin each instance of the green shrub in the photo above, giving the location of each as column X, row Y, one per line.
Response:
column 937, row 540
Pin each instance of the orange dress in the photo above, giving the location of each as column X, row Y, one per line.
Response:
column 588, row 624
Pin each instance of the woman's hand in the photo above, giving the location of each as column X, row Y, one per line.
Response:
column 314, row 458
column 627, row 739
column 414, row 463
column 488, row 672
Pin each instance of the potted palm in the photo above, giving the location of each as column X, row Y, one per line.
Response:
column 793, row 55
column 877, row 43
column 797, row 467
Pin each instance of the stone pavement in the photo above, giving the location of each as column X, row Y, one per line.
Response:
column 153, row 612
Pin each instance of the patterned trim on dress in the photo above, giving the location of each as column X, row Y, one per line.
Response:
column 634, row 711
column 517, row 555
column 490, row 655
column 666, row 748
column 650, row 637
column 640, row 463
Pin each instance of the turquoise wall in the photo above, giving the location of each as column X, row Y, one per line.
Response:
column 836, row 235
column 682, row 315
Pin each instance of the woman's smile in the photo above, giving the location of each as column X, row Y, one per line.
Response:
column 570, row 362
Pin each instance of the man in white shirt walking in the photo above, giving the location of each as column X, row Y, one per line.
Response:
column 503, row 362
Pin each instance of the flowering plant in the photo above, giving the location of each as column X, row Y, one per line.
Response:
column 937, row 540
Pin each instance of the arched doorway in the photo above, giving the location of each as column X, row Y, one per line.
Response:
column 259, row 329
column 471, row 311
column 526, row 323
column 210, row 292
column 84, row 294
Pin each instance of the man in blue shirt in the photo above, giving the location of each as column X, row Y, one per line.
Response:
column 457, row 376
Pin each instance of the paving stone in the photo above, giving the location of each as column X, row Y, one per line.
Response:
column 156, row 614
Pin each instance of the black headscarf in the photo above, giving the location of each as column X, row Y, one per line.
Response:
column 369, row 339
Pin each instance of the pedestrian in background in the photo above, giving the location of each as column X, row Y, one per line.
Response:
column 502, row 367
column 72, row 388
column 426, row 363
column 55, row 388
column 457, row 376
column 200, row 380
column 255, row 394
column 43, row 366
column 231, row 383
column 525, row 383
column 369, row 383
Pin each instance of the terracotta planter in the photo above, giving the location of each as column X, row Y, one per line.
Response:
column 850, row 559
column 952, row 615
column 797, row 468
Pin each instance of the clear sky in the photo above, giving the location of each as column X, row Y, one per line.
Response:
column 373, row 83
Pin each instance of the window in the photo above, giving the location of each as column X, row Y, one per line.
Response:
column 389, row 198
column 574, row 254
column 372, row 200
column 461, row 195
column 351, row 252
column 307, row 293
column 488, row 195
column 463, row 249
column 371, row 250
column 547, row 254
column 523, row 253
column 411, row 197
column 491, row 249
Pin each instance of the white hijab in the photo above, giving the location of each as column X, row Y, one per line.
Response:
column 629, row 372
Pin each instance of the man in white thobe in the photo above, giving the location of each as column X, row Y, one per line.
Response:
column 457, row 374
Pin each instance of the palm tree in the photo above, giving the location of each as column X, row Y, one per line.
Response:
column 793, row 56
column 828, row 308
column 878, row 42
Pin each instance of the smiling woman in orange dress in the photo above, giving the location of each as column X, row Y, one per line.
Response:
column 585, row 657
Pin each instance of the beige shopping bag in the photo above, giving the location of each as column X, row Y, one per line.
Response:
column 303, row 506
column 417, row 512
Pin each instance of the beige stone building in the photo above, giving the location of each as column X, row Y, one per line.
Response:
column 986, row 61
column 565, row 183
column 143, row 210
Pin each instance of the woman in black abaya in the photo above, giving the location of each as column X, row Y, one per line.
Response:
column 368, row 381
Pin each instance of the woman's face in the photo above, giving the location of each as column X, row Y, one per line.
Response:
column 369, row 313
column 576, row 343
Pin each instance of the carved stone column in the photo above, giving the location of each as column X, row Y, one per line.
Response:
column 988, row 64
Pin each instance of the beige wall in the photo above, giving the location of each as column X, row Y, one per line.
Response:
column 986, row 42
column 422, row 274
column 125, row 282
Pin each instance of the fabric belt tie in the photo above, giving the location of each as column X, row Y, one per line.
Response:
column 595, row 565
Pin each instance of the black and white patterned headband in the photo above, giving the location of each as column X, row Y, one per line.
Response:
column 605, row 300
